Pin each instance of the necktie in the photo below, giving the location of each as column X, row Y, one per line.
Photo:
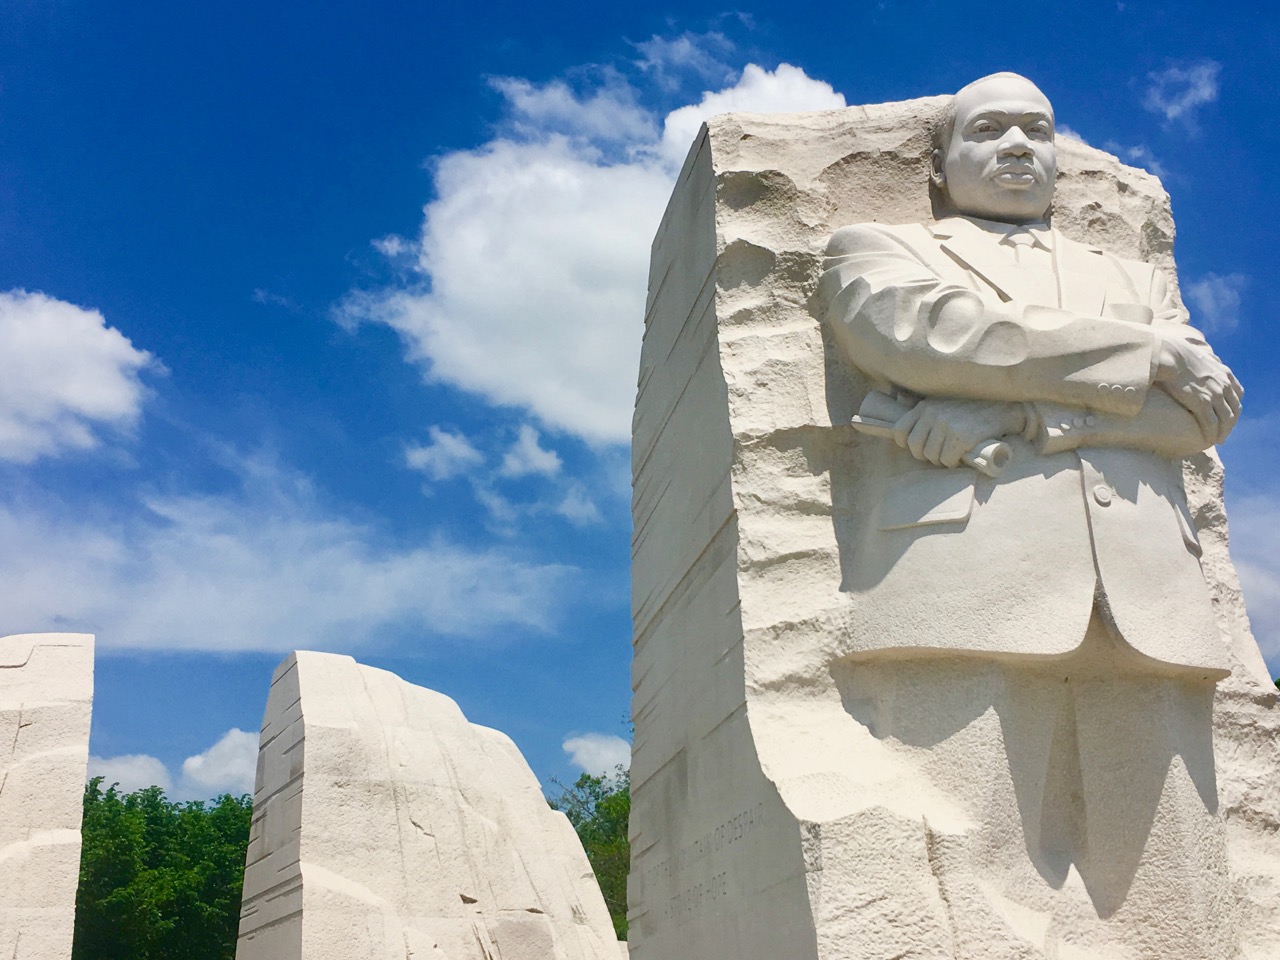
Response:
column 1023, row 244
column 1035, row 264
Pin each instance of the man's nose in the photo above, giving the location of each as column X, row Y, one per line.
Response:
column 1015, row 143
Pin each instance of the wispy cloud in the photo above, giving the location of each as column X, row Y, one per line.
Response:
column 668, row 61
column 577, row 507
column 1139, row 155
column 607, row 114
column 446, row 456
column 526, row 456
column 65, row 377
column 532, row 261
column 269, row 299
column 1180, row 90
column 265, row 566
column 1215, row 301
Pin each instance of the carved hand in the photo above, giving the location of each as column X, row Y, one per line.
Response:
column 942, row 431
column 1193, row 375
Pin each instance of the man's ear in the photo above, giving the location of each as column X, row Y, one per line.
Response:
column 936, row 173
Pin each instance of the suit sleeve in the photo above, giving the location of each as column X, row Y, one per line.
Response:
column 1162, row 426
column 896, row 319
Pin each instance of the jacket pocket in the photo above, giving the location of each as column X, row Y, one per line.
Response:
column 923, row 497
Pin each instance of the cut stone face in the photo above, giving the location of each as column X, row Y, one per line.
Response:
column 819, row 773
column 385, row 825
column 46, row 699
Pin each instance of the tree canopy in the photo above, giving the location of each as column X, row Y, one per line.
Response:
column 599, row 808
column 159, row 880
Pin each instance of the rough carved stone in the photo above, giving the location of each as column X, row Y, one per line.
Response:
column 386, row 825
column 46, row 698
column 794, row 796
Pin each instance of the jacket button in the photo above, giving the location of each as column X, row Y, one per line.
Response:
column 1104, row 387
column 1090, row 420
column 1078, row 421
column 1102, row 493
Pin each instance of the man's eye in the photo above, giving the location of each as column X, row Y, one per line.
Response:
column 986, row 126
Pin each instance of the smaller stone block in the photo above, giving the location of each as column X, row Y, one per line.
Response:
column 46, row 700
column 386, row 825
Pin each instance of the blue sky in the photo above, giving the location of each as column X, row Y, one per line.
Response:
column 318, row 321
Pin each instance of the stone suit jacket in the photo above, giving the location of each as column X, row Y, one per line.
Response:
column 1091, row 510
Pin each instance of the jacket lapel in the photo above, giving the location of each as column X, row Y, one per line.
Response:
column 975, row 249
column 1082, row 277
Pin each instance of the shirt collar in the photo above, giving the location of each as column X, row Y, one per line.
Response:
column 1040, row 233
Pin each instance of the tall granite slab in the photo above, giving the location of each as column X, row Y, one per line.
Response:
column 46, row 698
column 385, row 825
column 785, row 805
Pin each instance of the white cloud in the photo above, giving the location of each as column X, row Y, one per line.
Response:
column 757, row 91
column 1178, row 91
column 264, row 567
column 1062, row 130
column 599, row 754
column 533, row 258
column 526, row 456
column 132, row 772
column 446, row 456
column 1215, row 301
column 229, row 766
column 64, row 375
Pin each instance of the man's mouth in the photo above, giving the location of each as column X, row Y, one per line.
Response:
column 1016, row 174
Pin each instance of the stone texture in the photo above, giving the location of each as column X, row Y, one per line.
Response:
column 46, row 698
column 386, row 825
column 789, row 801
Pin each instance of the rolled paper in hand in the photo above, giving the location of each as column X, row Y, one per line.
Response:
column 879, row 412
column 990, row 457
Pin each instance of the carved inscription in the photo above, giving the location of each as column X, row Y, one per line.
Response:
column 709, row 846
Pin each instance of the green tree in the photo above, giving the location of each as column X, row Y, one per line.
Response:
column 599, row 808
column 159, row 880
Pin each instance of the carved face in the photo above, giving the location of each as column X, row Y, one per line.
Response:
column 1000, row 164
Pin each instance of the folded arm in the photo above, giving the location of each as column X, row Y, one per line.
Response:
column 897, row 320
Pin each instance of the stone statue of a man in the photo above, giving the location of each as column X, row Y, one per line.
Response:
column 990, row 324
column 1056, row 591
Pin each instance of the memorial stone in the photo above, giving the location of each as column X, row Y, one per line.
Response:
column 46, row 699
column 939, row 652
column 385, row 825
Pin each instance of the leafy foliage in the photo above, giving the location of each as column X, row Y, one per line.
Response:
column 598, row 808
column 159, row 880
